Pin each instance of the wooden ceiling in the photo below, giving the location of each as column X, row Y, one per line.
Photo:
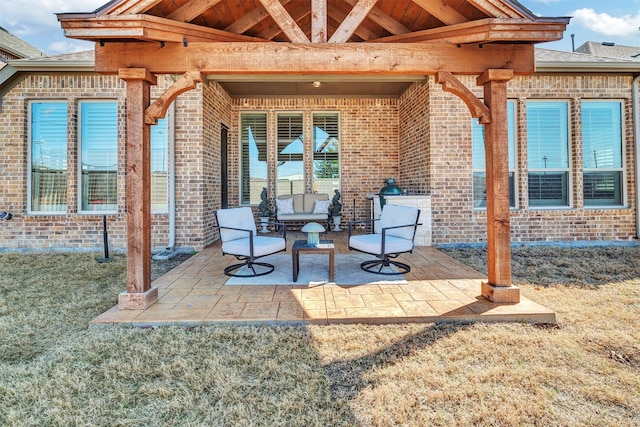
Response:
column 314, row 21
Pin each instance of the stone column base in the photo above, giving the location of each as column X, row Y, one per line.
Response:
column 137, row 300
column 501, row 294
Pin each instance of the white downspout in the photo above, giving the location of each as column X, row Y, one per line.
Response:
column 171, row 149
column 636, row 137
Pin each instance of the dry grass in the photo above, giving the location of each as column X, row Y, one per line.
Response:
column 55, row 371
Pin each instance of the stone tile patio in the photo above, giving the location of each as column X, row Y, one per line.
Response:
column 439, row 289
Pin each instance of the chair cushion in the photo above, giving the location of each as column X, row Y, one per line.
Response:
column 285, row 206
column 236, row 218
column 321, row 206
column 262, row 245
column 372, row 244
column 393, row 215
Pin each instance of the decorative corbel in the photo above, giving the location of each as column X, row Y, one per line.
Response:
column 477, row 108
column 159, row 108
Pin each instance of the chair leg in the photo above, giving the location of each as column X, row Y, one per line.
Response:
column 376, row 266
column 230, row 269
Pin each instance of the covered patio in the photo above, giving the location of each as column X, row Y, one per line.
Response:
column 438, row 289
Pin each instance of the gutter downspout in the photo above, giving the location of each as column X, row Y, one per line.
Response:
column 636, row 137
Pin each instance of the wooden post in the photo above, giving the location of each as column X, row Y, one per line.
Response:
column 499, row 287
column 139, row 293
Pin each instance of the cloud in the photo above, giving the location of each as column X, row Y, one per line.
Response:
column 603, row 23
column 68, row 46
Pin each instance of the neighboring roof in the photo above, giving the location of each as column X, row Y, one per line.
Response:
column 560, row 61
column 16, row 46
column 611, row 50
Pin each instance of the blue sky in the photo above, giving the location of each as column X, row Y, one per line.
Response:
column 593, row 20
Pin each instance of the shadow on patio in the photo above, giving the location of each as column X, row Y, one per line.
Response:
column 438, row 288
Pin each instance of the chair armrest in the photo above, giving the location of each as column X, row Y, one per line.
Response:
column 384, row 233
column 280, row 227
column 360, row 221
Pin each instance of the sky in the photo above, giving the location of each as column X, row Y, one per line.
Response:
column 616, row 21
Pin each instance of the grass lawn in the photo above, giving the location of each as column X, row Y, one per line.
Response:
column 54, row 370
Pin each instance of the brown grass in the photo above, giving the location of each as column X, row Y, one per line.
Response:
column 585, row 371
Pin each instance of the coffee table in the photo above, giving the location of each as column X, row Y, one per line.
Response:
column 301, row 246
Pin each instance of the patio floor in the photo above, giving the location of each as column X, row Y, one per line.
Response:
column 439, row 288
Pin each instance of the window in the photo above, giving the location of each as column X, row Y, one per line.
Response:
column 290, row 162
column 326, row 152
column 602, row 153
column 159, row 167
column 548, row 153
column 98, row 189
column 479, row 160
column 48, row 157
column 253, row 156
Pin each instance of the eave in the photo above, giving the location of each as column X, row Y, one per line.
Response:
column 143, row 28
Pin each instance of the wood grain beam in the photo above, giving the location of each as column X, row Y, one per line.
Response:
column 442, row 11
column 191, row 10
column 337, row 15
column 296, row 14
column 452, row 85
column 497, row 9
column 158, row 109
column 132, row 7
column 250, row 19
column 318, row 21
column 485, row 31
column 286, row 23
column 323, row 58
column 352, row 21
column 385, row 21
column 145, row 27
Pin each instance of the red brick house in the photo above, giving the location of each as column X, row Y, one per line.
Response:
column 360, row 100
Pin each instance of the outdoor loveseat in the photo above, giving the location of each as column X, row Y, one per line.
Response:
column 299, row 209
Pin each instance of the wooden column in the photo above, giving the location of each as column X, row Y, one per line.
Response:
column 499, row 287
column 139, row 293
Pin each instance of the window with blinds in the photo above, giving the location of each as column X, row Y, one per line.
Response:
column 98, row 189
column 602, row 153
column 48, row 157
column 290, row 162
column 160, row 166
column 479, row 160
column 548, row 153
column 326, row 152
column 253, row 156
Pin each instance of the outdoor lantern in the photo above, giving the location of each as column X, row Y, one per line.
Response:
column 313, row 230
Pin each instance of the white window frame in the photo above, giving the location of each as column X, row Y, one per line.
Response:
column 336, row 113
column 568, row 170
column 264, row 113
column 511, row 103
column 30, row 210
column 169, row 117
column 622, row 169
column 79, row 156
column 304, row 150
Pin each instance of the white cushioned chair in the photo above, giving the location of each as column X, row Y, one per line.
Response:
column 394, row 234
column 239, row 238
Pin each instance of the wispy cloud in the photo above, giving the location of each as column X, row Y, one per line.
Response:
column 603, row 23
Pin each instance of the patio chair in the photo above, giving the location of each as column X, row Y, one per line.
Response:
column 239, row 238
column 393, row 234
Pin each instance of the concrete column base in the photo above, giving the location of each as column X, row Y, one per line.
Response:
column 501, row 294
column 137, row 300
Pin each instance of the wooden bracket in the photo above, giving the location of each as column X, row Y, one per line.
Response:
column 159, row 108
column 477, row 108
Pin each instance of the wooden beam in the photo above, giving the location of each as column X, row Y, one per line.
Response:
column 337, row 15
column 352, row 21
column 138, row 189
column 323, row 58
column 442, row 11
column 384, row 20
column 145, row 28
column 499, row 287
column 318, row 21
column 485, row 31
column 451, row 84
column 497, row 9
column 296, row 14
column 158, row 109
column 132, row 7
column 250, row 19
column 190, row 10
column 286, row 23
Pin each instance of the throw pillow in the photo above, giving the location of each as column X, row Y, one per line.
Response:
column 321, row 206
column 285, row 206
